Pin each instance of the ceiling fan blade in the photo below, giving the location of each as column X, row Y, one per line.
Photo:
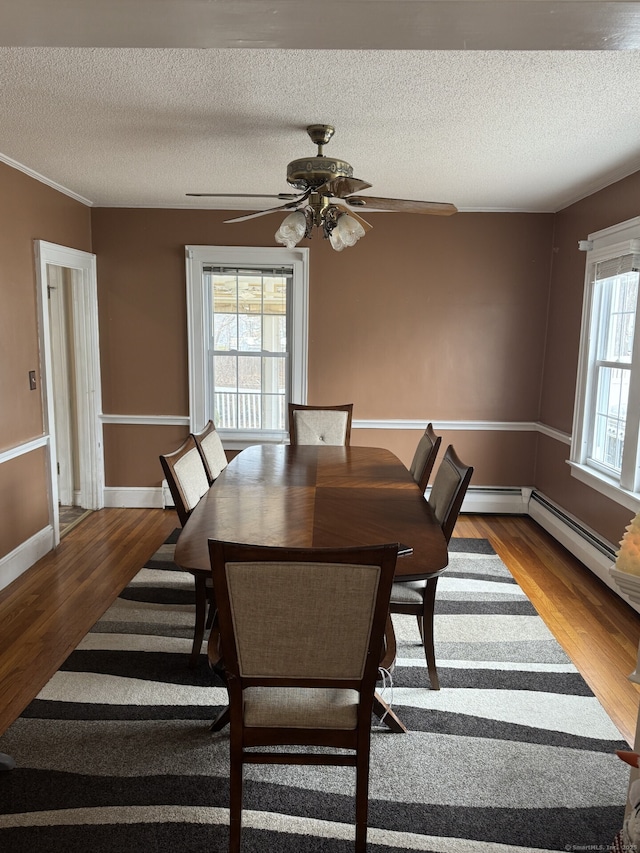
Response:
column 342, row 187
column 339, row 203
column 372, row 204
column 257, row 213
column 283, row 196
column 288, row 206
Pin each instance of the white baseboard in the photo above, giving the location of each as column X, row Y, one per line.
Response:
column 123, row 496
column 167, row 497
column 498, row 500
column 597, row 554
column 25, row 555
column 504, row 501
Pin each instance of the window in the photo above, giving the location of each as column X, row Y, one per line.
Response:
column 605, row 441
column 247, row 321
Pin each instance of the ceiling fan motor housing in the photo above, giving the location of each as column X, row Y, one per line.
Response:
column 310, row 172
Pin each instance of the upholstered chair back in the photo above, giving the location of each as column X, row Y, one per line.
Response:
column 210, row 446
column 424, row 457
column 320, row 425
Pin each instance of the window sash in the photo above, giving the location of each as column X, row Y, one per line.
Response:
column 200, row 258
column 605, row 438
column 249, row 387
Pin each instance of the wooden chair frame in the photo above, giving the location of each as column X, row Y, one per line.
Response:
column 447, row 494
column 298, row 407
column 426, row 453
column 168, row 462
column 203, row 587
column 199, row 439
column 243, row 738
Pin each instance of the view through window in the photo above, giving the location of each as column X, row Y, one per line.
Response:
column 616, row 300
column 248, row 346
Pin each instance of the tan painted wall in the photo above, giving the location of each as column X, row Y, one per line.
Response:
column 426, row 317
column 29, row 210
column 552, row 475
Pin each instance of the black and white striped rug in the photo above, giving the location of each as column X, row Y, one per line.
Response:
column 514, row 753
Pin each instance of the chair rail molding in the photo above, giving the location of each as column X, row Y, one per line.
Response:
column 146, row 420
column 462, row 426
column 22, row 449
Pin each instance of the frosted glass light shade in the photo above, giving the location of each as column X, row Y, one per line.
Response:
column 347, row 232
column 292, row 229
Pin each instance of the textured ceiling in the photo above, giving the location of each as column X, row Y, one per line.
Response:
column 491, row 129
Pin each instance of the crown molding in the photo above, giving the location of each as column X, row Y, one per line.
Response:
column 41, row 178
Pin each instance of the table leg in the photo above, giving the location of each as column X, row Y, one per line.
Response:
column 220, row 721
column 390, row 649
column 382, row 709
column 201, row 612
column 387, row 715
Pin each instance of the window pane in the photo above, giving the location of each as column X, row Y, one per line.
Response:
column 224, row 292
column 249, row 332
column 250, row 294
column 275, row 295
column 612, row 394
column 249, row 315
column 225, row 331
column 249, row 388
column 225, row 377
column 620, row 294
column 273, row 412
column 275, row 333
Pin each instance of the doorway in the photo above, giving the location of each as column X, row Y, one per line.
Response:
column 70, row 379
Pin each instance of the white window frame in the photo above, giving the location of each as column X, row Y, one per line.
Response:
column 622, row 239
column 199, row 257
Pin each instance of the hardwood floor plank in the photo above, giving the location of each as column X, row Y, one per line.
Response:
column 596, row 628
column 47, row 611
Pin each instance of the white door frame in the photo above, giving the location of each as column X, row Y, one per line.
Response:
column 84, row 340
column 58, row 329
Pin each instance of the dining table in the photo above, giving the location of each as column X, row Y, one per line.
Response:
column 319, row 496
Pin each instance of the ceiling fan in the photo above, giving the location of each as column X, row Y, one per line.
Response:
column 326, row 199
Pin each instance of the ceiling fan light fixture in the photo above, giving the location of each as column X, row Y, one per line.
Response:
column 346, row 232
column 292, row 229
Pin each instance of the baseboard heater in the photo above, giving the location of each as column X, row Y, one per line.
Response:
column 585, row 544
column 573, row 524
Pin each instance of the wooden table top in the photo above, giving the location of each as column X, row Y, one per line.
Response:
column 315, row 496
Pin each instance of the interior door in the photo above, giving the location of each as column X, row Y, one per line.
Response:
column 61, row 356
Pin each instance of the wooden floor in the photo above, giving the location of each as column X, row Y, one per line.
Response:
column 47, row 611
column 598, row 630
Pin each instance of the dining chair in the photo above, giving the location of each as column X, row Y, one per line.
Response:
column 418, row 597
column 186, row 477
column 211, row 450
column 424, row 457
column 301, row 636
column 188, row 481
column 320, row 424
